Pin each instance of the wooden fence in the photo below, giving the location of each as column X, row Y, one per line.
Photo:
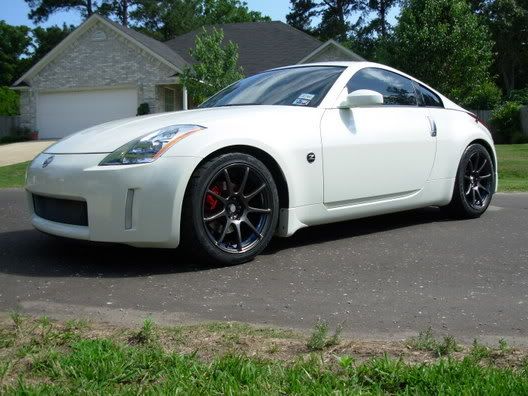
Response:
column 9, row 124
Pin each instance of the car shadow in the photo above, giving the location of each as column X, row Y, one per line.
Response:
column 31, row 253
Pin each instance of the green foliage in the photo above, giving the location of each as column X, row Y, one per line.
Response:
column 443, row 43
column 45, row 39
column 165, row 19
column 9, row 102
column 143, row 109
column 506, row 123
column 320, row 340
column 486, row 96
column 146, row 335
column 520, row 96
column 215, row 68
column 479, row 352
column 14, row 43
column 424, row 342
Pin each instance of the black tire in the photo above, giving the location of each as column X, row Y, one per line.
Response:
column 231, row 209
column 474, row 183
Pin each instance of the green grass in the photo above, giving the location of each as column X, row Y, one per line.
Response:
column 45, row 357
column 513, row 167
column 12, row 176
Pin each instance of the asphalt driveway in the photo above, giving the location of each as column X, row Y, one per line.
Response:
column 384, row 277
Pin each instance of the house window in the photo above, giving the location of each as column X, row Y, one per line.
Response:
column 169, row 99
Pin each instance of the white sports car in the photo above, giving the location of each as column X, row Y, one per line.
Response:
column 281, row 150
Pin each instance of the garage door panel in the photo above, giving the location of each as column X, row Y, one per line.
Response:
column 61, row 114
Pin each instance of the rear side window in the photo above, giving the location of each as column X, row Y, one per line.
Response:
column 396, row 89
column 428, row 97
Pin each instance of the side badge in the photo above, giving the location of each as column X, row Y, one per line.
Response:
column 310, row 158
column 48, row 161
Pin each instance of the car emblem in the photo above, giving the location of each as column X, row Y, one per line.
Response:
column 310, row 158
column 48, row 161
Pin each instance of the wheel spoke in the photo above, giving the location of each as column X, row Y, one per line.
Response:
column 484, row 188
column 479, row 196
column 216, row 216
column 483, row 165
column 254, row 193
column 250, row 225
column 474, row 197
column 485, row 176
column 468, row 190
column 244, row 180
column 239, row 235
column 228, row 181
column 217, row 196
column 259, row 210
column 224, row 232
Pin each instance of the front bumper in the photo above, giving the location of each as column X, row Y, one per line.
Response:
column 155, row 191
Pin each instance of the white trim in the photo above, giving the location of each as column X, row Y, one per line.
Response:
column 77, row 33
column 83, row 89
column 352, row 54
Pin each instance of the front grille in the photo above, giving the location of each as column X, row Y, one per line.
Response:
column 61, row 210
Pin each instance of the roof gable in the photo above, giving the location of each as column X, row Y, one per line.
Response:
column 154, row 47
column 261, row 45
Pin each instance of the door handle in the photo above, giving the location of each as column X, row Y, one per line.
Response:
column 432, row 123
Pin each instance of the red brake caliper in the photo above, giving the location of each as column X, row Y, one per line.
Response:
column 210, row 200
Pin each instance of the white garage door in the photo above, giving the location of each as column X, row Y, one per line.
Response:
column 60, row 114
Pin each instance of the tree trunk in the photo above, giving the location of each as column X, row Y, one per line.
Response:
column 89, row 8
column 124, row 12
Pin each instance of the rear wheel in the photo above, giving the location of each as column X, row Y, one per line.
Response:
column 474, row 184
column 231, row 209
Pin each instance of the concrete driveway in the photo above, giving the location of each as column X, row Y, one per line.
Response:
column 384, row 277
column 21, row 152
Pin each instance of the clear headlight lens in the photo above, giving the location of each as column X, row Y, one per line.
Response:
column 150, row 147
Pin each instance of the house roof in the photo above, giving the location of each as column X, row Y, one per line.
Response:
column 261, row 45
column 154, row 45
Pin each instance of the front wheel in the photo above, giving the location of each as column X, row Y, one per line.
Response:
column 231, row 209
column 474, row 183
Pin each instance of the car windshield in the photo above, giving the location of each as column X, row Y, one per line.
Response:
column 297, row 86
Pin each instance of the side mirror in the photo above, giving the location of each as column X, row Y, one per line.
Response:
column 362, row 98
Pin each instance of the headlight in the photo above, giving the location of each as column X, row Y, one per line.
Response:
column 150, row 147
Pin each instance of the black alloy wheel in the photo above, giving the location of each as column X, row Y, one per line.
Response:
column 231, row 209
column 474, row 183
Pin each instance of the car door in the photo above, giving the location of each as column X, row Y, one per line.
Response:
column 380, row 152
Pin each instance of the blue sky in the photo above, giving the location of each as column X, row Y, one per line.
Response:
column 15, row 12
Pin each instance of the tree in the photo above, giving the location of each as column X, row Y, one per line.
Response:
column 445, row 44
column 45, row 39
column 381, row 8
column 14, row 43
column 165, row 19
column 216, row 65
column 41, row 10
column 9, row 100
column 508, row 21
column 335, row 17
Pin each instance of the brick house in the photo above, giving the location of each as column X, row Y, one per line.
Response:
column 102, row 71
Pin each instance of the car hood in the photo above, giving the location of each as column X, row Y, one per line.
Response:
column 108, row 137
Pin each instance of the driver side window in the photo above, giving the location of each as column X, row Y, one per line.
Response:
column 396, row 89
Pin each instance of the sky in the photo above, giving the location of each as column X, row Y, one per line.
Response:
column 14, row 12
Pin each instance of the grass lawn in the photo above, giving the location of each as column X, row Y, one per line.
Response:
column 513, row 167
column 13, row 175
column 39, row 356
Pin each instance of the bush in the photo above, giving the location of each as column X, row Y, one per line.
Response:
column 506, row 122
column 519, row 96
column 9, row 102
column 487, row 96
column 143, row 109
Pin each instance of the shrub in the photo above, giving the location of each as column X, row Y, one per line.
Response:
column 143, row 109
column 506, row 122
column 519, row 96
column 9, row 102
column 485, row 97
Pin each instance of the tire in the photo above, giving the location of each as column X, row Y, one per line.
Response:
column 474, row 183
column 231, row 209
